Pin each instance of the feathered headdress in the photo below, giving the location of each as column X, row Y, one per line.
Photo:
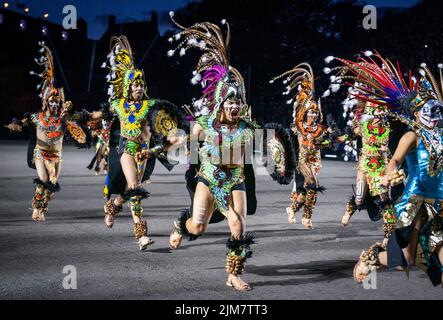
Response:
column 46, row 86
column 301, row 78
column 381, row 82
column 122, row 70
column 218, row 79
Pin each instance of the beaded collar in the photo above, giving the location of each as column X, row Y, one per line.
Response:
column 131, row 115
column 51, row 126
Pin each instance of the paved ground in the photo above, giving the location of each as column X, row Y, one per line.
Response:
column 289, row 262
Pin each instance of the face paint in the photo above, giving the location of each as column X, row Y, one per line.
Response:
column 231, row 108
column 431, row 114
column 53, row 105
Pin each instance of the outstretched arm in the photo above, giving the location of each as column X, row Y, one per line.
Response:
column 16, row 126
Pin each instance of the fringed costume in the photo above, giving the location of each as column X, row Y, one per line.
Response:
column 141, row 129
column 310, row 135
column 51, row 125
column 417, row 102
column 221, row 174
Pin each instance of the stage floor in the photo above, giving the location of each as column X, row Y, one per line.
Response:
column 288, row 261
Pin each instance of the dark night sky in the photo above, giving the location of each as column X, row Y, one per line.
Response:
column 95, row 12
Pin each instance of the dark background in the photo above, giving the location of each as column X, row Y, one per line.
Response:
column 268, row 38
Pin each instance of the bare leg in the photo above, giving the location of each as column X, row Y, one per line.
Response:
column 133, row 179
column 376, row 255
column 362, row 188
column 203, row 208
column 135, row 193
column 237, row 225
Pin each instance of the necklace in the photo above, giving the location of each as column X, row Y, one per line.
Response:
column 131, row 115
column 51, row 126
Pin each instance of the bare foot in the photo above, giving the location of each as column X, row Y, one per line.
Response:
column 144, row 242
column 345, row 219
column 291, row 215
column 35, row 215
column 361, row 271
column 237, row 283
column 109, row 220
column 175, row 239
column 307, row 223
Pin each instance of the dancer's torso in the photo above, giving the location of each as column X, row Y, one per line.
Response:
column 132, row 116
column 419, row 181
column 49, row 132
column 311, row 138
column 224, row 145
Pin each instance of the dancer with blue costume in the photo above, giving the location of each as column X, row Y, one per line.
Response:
column 418, row 235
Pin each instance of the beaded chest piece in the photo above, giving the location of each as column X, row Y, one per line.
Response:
column 131, row 116
column 51, row 126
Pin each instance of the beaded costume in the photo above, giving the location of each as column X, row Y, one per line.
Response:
column 407, row 100
column 139, row 129
column 220, row 82
column 51, row 127
column 311, row 137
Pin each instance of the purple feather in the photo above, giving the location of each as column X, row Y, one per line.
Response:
column 211, row 78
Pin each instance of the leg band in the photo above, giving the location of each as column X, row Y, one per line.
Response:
column 238, row 252
column 370, row 257
column 389, row 219
column 135, row 196
column 111, row 208
column 39, row 201
column 140, row 229
column 351, row 206
column 180, row 225
column 311, row 200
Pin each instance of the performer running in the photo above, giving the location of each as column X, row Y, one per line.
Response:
column 147, row 129
column 51, row 124
column 418, row 237
column 311, row 136
column 100, row 131
column 223, row 118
